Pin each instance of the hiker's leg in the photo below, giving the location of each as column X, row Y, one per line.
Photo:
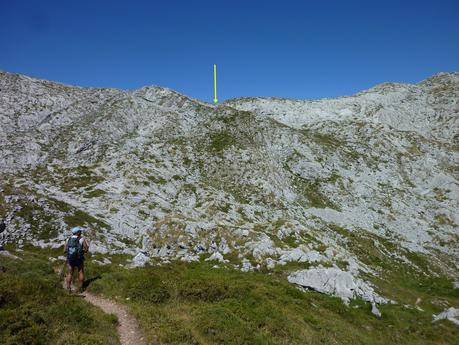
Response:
column 81, row 276
column 68, row 278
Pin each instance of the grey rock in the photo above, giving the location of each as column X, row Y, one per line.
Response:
column 200, row 248
column 270, row 263
column 450, row 314
column 140, row 260
column 104, row 261
column 298, row 255
column 246, row 266
column 143, row 153
column 162, row 251
column 224, row 247
column 97, row 247
column 335, row 282
column 189, row 258
column 375, row 311
column 217, row 256
column 9, row 255
column 262, row 247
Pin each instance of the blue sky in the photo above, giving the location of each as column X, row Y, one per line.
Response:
column 295, row 49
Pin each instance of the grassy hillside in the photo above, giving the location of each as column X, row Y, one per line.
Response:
column 197, row 304
column 34, row 309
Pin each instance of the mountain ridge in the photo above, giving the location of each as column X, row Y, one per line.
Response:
column 352, row 183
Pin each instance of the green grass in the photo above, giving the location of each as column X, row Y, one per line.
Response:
column 5, row 189
column 68, row 178
column 157, row 180
column 197, row 304
column 291, row 241
column 221, row 140
column 311, row 190
column 43, row 213
column 43, row 224
column 327, row 140
column 79, row 217
column 443, row 219
column 95, row 193
column 235, row 118
column 35, row 310
column 397, row 280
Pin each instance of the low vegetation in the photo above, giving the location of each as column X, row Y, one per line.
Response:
column 34, row 309
column 221, row 140
column 196, row 303
column 79, row 217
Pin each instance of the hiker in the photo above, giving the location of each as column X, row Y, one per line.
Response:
column 75, row 247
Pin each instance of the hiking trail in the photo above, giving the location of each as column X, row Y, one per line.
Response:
column 128, row 328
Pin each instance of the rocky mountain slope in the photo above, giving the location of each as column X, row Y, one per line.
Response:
column 337, row 192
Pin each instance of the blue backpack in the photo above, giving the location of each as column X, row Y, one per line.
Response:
column 74, row 249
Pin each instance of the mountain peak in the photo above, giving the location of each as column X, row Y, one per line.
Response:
column 359, row 184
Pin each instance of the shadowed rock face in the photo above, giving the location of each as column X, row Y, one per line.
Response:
column 256, row 181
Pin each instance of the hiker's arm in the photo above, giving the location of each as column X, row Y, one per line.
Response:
column 85, row 246
column 65, row 247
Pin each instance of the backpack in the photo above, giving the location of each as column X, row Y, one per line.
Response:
column 74, row 249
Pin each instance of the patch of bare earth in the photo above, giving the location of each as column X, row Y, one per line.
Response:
column 128, row 328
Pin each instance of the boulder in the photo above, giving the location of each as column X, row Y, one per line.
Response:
column 187, row 257
column 216, row 257
column 98, row 248
column 223, row 247
column 263, row 246
column 140, row 260
column 270, row 263
column 450, row 314
column 375, row 311
column 334, row 281
column 104, row 261
column 246, row 266
column 9, row 255
column 298, row 255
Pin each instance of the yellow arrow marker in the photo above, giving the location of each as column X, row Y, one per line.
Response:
column 215, row 84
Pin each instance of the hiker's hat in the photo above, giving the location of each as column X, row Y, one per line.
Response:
column 76, row 230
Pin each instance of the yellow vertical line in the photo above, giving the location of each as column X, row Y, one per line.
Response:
column 215, row 83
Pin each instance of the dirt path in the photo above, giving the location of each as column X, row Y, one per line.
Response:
column 128, row 328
